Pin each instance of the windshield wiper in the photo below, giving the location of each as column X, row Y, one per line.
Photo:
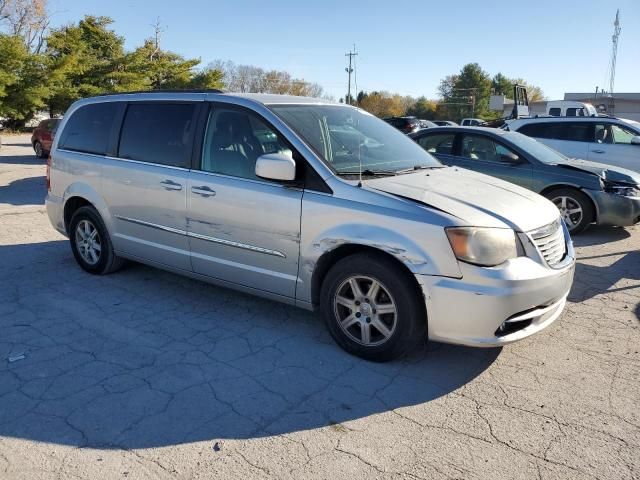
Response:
column 418, row 167
column 369, row 173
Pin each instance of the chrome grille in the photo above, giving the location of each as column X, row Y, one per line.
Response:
column 550, row 242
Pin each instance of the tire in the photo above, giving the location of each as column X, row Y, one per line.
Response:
column 40, row 153
column 84, row 222
column 352, row 317
column 567, row 199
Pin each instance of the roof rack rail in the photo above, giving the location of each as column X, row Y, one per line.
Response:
column 168, row 90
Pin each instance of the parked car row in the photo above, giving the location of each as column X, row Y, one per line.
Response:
column 584, row 192
column 319, row 205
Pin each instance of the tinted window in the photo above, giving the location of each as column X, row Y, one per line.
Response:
column 555, row 112
column 575, row 132
column 578, row 132
column 441, row 144
column 158, row 133
column 235, row 139
column 88, row 128
column 536, row 130
column 572, row 112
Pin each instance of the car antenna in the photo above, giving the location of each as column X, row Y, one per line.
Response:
column 359, row 168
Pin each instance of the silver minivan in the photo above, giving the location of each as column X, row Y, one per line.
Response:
column 312, row 203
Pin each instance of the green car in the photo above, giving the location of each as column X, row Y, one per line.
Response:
column 584, row 192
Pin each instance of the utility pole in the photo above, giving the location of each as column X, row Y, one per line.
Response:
column 349, row 70
column 612, row 62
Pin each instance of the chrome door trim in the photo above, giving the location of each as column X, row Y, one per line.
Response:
column 243, row 246
column 221, row 241
column 152, row 225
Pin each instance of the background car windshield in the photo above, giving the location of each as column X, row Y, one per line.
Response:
column 344, row 137
column 536, row 149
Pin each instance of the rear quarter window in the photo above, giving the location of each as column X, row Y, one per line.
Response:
column 89, row 128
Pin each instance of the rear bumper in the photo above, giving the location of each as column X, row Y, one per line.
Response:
column 55, row 211
column 616, row 210
column 521, row 296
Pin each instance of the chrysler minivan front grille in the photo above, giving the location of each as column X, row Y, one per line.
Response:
column 551, row 242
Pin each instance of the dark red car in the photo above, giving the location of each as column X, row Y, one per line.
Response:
column 42, row 137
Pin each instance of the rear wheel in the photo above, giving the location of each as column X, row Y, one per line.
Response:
column 575, row 208
column 372, row 308
column 91, row 244
column 39, row 149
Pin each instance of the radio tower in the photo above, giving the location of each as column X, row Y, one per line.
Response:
column 612, row 64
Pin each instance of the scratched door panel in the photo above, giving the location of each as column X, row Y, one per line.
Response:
column 244, row 231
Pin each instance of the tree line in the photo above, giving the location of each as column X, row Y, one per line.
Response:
column 43, row 68
column 464, row 94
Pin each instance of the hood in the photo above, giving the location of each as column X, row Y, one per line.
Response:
column 478, row 200
column 606, row 172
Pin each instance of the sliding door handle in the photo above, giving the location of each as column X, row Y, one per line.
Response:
column 203, row 191
column 170, row 185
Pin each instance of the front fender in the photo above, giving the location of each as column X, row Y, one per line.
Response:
column 329, row 223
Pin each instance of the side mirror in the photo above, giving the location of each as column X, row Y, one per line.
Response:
column 276, row 166
column 635, row 140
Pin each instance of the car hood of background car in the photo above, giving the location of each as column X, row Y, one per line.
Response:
column 478, row 200
column 606, row 172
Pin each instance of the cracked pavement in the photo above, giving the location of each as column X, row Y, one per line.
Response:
column 144, row 374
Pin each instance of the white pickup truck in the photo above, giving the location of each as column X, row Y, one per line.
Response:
column 568, row 108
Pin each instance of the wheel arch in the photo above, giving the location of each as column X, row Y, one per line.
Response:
column 331, row 257
column 558, row 186
column 78, row 195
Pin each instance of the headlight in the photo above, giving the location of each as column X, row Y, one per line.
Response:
column 623, row 190
column 483, row 246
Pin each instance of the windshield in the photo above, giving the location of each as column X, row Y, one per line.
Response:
column 348, row 139
column 633, row 123
column 536, row 149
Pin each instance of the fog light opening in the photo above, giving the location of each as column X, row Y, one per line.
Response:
column 511, row 326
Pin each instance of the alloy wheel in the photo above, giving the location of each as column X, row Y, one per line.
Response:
column 570, row 209
column 88, row 242
column 365, row 310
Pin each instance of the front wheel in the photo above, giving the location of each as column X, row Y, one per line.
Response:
column 575, row 208
column 372, row 307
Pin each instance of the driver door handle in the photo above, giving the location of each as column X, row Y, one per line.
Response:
column 598, row 151
column 203, row 191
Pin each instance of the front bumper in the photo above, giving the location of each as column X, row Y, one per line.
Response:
column 471, row 310
column 616, row 210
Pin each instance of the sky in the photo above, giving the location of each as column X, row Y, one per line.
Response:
column 559, row 45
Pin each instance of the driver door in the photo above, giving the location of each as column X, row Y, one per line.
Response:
column 241, row 228
column 612, row 145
